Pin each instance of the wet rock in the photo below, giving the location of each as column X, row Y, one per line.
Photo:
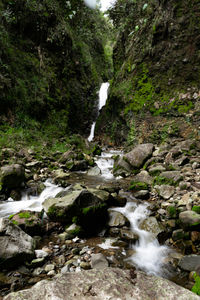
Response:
column 79, row 165
column 61, row 177
column 116, row 219
column 12, row 176
column 41, row 253
column 16, row 245
column 98, row 261
column 189, row 219
column 121, row 167
column 95, row 171
column 165, row 191
column 108, row 283
column 128, row 235
column 151, row 225
column 190, row 262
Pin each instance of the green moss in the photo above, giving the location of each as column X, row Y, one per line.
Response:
column 196, row 286
column 196, row 208
column 136, row 186
column 172, row 211
column 159, row 180
column 24, row 215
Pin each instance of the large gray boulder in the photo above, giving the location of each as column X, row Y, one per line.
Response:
column 189, row 219
column 87, row 208
column 12, row 176
column 133, row 160
column 15, row 245
column 102, row 284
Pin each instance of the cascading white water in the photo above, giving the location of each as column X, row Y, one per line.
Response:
column 105, row 163
column 103, row 95
column 33, row 203
column 149, row 254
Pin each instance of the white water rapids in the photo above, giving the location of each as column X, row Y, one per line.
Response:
column 103, row 95
column 28, row 202
column 149, row 254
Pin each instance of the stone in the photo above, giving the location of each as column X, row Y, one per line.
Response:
column 29, row 221
column 143, row 176
column 108, row 283
column 165, row 191
column 16, row 245
column 175, row 176
column 41, row 253
column 178, row 234
column 49, row 267
column 151, row 225
column 189, row 219
column 89, row 207
column 98, row 261
column 95, row 171
column 138, row 155
column 116, row 219
column 128, row 235
column 61, row 177
column 156, row 168
column 142, row 194
column 190, row 262
column 85, row 265
column 12, row 176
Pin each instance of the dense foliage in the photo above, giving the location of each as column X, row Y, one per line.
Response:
column 52, row 60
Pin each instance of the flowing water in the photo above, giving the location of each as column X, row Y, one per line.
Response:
column 105, row 163
column 28, row 202
column 149, row 254
column 103, row 95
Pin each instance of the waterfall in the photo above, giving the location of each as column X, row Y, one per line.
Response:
column 103, row 95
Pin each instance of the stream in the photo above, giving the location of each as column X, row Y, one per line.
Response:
column 147, row 253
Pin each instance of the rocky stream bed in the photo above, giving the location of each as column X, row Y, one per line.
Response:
column 68, row 219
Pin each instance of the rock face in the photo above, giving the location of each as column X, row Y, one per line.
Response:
column 12, row 176
column 16, row 245
column 108, row 283
column 84, row 207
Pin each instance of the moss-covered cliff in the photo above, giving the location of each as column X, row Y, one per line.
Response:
column 52, row 61
column 156, row 87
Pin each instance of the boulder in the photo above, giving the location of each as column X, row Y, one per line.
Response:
column 16, row 245
column 151, row 225
column 83, row 207
column 95, row 171
column 29, row 221
column 98, row 261
column 165, row 191
column 11, row 176
column 190, row 219
column 116, row 219
column 139, row 154
column 190, row 262
column 101, row 284
column 143, row 176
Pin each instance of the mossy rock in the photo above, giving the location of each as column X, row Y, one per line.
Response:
column 196, row 208
column 29, row 221
column 86, row 208
column 137, row 186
